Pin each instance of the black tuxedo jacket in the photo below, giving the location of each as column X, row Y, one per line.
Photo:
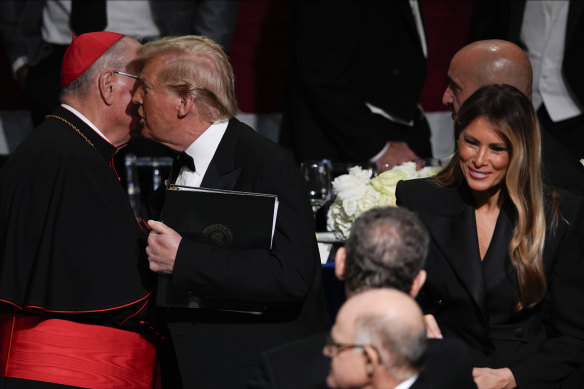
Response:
column 474, row 301
column 219, row 349
column 301, row 364
column 346, row 53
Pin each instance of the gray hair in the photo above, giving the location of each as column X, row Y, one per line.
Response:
column 401, row 344
column 387, row 247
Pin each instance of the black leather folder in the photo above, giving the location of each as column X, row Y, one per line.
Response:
column 225, row 219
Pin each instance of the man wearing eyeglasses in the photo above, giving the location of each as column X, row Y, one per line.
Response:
column 378, row 341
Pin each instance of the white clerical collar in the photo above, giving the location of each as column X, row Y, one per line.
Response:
column 203, row 149
column 86, row 121
column 407, row 383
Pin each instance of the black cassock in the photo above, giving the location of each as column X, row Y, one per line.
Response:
column 70, row 246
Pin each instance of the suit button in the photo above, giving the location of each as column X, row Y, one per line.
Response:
column 519, row 333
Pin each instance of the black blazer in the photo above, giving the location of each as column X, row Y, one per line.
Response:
column 346, row 53
column 301, row 364
column 218, row 349
column 474, row 301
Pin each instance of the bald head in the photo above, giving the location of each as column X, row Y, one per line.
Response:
column 396, row 307
column 484, row 63
column 391, row 325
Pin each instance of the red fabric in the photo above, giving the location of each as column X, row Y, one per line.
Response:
column 70, row 353
column 448, row 24
column 83, row 52
column 259, row 55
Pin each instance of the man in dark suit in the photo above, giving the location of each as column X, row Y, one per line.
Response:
column 387, row 248
column 186, row 99
column 357, row 73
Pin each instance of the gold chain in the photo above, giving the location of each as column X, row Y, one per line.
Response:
column 72, row 126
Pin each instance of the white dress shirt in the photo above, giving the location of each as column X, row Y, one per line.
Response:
column 544, row 32
column 407, row 383
column 86, row 121
column 202, row 151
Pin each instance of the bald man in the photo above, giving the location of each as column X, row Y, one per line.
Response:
column 501, row 62
column 483, row 63
column 378, row 341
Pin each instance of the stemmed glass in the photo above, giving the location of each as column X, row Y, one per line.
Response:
column 318, row 182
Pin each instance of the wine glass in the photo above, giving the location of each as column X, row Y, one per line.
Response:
column 318, row 182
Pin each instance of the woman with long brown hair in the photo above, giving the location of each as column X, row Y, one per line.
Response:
column 505, row 267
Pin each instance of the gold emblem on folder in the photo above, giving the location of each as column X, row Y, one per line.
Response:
column 218, row 235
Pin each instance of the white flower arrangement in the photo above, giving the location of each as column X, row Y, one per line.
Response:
column 357, row 192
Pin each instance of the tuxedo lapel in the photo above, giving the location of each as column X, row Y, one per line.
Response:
column 222, row 172
column 215, row 179
column 408, row 14
column 496, row 264
column 456, row 239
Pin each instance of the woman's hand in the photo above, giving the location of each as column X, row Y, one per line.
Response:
column 486, row 378
column 432, row 329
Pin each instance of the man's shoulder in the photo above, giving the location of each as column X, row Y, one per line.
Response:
column 253, row 144
column 308, row 346
column 297, row 364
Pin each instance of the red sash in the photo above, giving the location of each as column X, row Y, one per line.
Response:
column 70, row 353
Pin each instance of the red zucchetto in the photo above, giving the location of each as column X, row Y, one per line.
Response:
column 83, row 52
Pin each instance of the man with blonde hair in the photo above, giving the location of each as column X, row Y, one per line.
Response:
column 187, row 102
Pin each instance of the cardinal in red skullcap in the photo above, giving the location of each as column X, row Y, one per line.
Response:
column 74, row 281
column 83, row 51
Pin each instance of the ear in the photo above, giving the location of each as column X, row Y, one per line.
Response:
column 185, row 105
column 372, row 358
column 418, row 282
column 106, row 85
column 340, row 257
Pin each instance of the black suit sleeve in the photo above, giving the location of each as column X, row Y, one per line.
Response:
column 350, row 53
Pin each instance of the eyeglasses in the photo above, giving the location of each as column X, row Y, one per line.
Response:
column 126, row 74
column 332, row 348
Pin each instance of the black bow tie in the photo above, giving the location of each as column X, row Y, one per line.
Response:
column 180, row 160
column 184, row 160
